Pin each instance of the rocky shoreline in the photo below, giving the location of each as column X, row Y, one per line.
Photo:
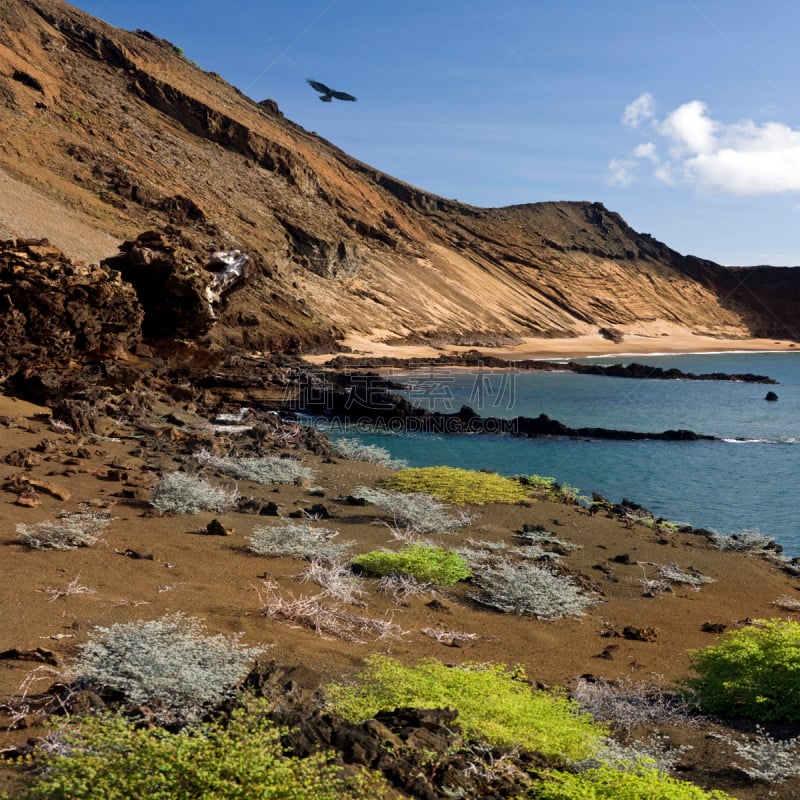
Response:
column 370, row 399
column 477, row 359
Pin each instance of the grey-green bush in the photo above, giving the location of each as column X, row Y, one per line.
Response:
column 419, row 513
column 68, row 532
column 528, row 590
column 271, row 469
column 356, row 450
column 168, row 663
column 179, row 493
column 298, row 540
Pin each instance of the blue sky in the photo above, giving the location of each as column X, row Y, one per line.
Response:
column 681, row 115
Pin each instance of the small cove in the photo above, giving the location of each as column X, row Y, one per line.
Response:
column 745, row 482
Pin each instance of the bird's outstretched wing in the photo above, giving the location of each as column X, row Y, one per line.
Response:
column 320, row 87
column 328, row 93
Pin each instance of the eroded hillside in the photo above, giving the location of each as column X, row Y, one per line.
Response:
column 122, row 134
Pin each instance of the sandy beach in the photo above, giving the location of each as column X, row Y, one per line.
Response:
column 585, row 346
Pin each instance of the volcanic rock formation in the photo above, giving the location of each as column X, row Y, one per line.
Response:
column 106, row 133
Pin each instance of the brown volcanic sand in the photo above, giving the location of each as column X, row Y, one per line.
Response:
column 217, row 580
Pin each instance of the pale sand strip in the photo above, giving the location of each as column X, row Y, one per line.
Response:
column 577, row 347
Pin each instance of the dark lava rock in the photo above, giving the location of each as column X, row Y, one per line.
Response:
column 177, row 287
column 53, row 310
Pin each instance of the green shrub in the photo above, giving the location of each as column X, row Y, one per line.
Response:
column 68, row 532
column 753, row 672
column 167, row 662
column 179, row 493
column 459, row 485
column 107, row 758
column 549, row 489
column 493, row 704
column 607, row 783
column 426, row 563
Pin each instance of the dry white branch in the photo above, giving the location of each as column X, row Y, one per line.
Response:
column 336, row 579
column 323, row 620
column 72, row 588
column 448, row 637
column 403, row 587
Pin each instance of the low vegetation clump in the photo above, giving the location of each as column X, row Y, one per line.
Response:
column 67, row 532
column 787, row 603
column 628, row 704
column 259, row 470
column 426, row 563
column 72, row 589
column 608, row 783
column 110, row 757
column 297, row 540
column 418, row 514
column 180, row 493
column 529, row 590
column 746, row 542
column 167, row 663
column 686, row 577
column 549, row 489
column 517, row 716
column 356, row 450
column 537, row 537
column 401, row 588
column 767, row 759
column 455, row 485
column 753, row 672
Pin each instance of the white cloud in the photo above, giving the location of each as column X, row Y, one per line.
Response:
column 744, row 157
column 664, row 173
column 620, row 171
column 690, row 128
column 641, row 110
column 646, row 150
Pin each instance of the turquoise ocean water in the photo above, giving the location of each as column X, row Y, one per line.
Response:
column 749, row 481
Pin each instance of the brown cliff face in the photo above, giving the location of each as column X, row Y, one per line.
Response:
column 121, row 134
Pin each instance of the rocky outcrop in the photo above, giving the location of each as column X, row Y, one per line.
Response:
column 325, row 258
column 54, row 311
column 770, row 295
column 178, row 288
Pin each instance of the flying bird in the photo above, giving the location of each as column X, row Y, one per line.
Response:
column 327, row 94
